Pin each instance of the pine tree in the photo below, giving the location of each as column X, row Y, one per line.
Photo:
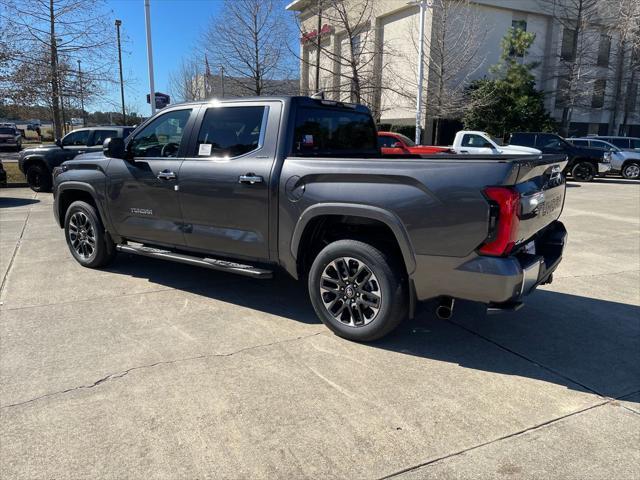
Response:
column 509, row 101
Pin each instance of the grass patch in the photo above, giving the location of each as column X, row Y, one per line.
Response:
column 14, row 175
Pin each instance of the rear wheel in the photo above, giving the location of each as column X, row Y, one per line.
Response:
column 631, row 170
column 87, row 240
column 583, row 172
column 357, row 291
column 38, row 178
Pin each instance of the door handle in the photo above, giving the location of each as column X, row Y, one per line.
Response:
column 166, row 175
column 251, row 178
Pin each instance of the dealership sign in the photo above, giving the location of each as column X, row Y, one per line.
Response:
column 325, row 30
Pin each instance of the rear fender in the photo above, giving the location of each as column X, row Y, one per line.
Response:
column 365, row 211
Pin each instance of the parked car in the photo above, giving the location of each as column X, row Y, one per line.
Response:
column 624, row 143
column 3, row 176
column 392, row 143
column 252, row 185
column 11, row 137
column 481, row 143
column 584, row 163
column 38, row 163
column 624, row 162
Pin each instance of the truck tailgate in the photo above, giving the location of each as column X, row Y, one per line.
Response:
column 541, row 186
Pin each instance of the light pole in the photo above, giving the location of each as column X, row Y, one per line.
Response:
column 147, row 17
column 124, row 116
column 84, row 120
column 423, row 4
column 222, row 80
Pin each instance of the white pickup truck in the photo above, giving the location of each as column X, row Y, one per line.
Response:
column 480, row 143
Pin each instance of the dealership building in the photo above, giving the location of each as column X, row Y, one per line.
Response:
column 389, row 65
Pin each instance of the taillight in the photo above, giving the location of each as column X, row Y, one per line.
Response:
column 504, row 221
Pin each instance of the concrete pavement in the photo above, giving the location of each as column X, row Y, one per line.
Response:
column 158, row 370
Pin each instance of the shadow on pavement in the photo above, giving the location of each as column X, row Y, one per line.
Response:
column 588, row 344
column 7, row 202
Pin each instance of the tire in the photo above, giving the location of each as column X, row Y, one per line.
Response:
column 38, row 178
column 631, row 171
column 381, row 281
column 583, row 172
column 86, row 237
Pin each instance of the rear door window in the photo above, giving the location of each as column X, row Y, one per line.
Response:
column 635, row 143
column 99, row 136
column 523, row 139
column 550, row 142
column 231, row 131
column 327, row 132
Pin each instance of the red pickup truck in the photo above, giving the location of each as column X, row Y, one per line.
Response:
column 391, row 143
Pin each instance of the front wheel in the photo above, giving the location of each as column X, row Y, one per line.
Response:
column 357, row 291
column 86, row 238
column 583, row 172
column 38, row 178
column 631, row 171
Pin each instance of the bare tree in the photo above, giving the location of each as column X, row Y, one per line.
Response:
column 66, row 30
column 353, row 63
column 454, row 54
column 246, row 39
column 623, row 25
column 577, row 56
column 189, row 82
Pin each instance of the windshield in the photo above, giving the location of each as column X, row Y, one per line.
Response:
column 6, row 130
column 407, row 141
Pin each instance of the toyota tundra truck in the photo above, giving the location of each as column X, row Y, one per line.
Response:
column 248, row 186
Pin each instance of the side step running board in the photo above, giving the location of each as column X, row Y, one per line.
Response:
column 212, row 263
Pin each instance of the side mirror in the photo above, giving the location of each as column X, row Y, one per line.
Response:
column 59, row 143
column 114, row 148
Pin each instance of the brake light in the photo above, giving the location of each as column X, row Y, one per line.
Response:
column 504, row 221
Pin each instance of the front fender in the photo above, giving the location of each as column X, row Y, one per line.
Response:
column 71, row 185
column 356, row 210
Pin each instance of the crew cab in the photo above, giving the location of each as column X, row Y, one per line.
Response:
column 254, row 185
column 584, row 163
column 624, row 162
column 37, row 163
column 392, row 143
column 470, row 141
column 10, row 137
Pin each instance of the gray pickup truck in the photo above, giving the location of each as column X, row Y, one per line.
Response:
column 294, row 183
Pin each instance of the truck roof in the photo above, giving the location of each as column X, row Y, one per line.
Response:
column 287, row 99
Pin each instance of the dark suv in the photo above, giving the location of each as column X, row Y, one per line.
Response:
column 584, row 163
column 38, row 163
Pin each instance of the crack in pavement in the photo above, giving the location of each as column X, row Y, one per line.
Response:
column 17, row 247
column 117, row 375
column 499, row 439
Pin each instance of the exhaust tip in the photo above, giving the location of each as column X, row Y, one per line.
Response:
column 444, row 310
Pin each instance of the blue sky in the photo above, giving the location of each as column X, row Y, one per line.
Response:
column 175, row 26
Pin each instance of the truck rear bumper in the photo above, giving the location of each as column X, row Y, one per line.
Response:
column 491, row 280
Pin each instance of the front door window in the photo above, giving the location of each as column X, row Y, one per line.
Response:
column 162, row 137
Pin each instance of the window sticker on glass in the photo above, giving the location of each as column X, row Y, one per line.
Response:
column 204, row 149
column 307, row 140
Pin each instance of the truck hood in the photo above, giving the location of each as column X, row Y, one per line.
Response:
column 39, row 149
column 518, row 150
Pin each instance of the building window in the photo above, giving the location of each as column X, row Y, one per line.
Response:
column 519, row 25
column 597, row 101
column 568, row 53
column 604, row 49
